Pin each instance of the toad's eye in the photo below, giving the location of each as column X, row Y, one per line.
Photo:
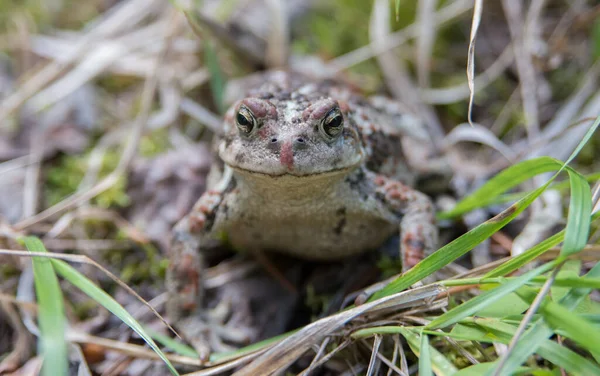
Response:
column 245, row 120
column 332, row 124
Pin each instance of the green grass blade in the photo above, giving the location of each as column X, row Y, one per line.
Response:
column 572, row 362
column 532, row 253
column 177, row 347
column 439, row 364
column 561, row 356
column 539, row 330
column 502, row 182
column 526, row 257
column 588, row 135
column 51, row 313
column 560, row 187
column 578, row 220
column 217, row 78
column 494, row 330
column 96, row 293
column 482, row 368
column 475, row 304
column 569, row 281
column 425, row 357
column 572, row 325
column 513, row 176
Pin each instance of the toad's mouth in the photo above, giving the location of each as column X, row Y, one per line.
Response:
column 293, row 173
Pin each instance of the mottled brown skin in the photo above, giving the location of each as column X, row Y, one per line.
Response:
column 320, row 175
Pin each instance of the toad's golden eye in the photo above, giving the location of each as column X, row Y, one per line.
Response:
column 245, row 120
column 332, row 124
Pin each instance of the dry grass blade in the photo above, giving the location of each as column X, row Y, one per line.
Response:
column 324, row 359
column 478, row 9
column 129, row 349
column 596, row 198
column 320, row 352
column 291, row 348
column 278, row 40
column 397, row 78
column 425, row 40
column 219, row 369
column 374, row 352
column 522, row 42
column 478, row 133
column 202, row 115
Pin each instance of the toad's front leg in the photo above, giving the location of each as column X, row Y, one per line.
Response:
column 184, row 275
column 418, row 231
column 184, row 280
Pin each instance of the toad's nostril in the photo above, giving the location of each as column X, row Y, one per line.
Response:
column 274, row 140
column 300, row 140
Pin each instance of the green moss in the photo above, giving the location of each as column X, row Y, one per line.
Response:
column 154, row 143
column 117, row 84
column 35, row 10
column 63, row 179
column 72, row 14
column 336, row 28
column 142, row 263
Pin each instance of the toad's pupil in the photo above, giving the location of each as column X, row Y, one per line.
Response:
column 335, row 122
column 242, row 120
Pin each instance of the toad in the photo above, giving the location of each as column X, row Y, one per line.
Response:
column 309, row 168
